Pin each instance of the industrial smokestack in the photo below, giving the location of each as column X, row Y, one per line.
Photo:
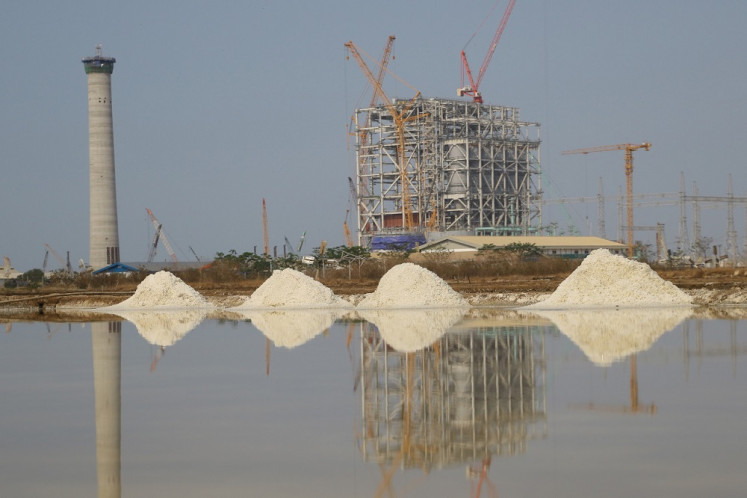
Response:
column 104, row 232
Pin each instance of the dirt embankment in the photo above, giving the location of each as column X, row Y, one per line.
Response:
column 707, row 286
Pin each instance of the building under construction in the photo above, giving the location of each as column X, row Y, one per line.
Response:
column 428, row 166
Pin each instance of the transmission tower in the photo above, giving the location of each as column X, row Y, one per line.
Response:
column 683, row 241
column 600, row 212
column 731, row 232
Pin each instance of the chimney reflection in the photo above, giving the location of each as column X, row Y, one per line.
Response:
column 106, row 338
column 470, row 395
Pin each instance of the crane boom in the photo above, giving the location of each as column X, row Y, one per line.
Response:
column 300, row 242
column 385, row 57
column 54, row 253
column 65, row 264
column 474, row 89
column 154, row 244
column 363, row 136
column 162, row 236
column 629, row 149
column 289, row 246
column 399, row 123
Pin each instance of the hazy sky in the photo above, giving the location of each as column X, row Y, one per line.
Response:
column 219, row 104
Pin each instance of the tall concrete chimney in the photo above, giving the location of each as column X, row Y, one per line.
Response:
column 104, row 232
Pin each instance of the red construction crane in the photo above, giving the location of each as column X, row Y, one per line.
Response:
column 628, row 148
column 473, row 89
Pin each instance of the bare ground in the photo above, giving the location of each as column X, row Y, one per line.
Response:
column 709, row 288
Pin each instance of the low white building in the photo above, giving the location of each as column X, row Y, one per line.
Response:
column 7, row 272
column 558, row 247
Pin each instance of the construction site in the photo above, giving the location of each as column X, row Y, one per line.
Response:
column 433, row 166
column 427, row 168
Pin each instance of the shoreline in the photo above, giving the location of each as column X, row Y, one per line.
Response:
column 80, row 306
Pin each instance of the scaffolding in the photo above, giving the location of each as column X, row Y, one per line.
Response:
column 465, row 167
column 467, row 397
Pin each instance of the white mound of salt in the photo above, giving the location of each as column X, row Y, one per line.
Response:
column 409, row 330
column 606, row 336
column 292, row 328
column 408, row 285
column 292, row 289
column 163, row 290
column 165, row 327
column 604, row 279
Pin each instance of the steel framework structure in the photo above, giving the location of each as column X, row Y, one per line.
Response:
column 467, row 167
column 467, row 397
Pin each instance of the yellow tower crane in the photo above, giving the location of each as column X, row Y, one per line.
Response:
column 401, row 117
column 628, row 148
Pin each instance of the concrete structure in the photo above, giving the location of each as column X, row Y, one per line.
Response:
column 440, row 165
column 104, row 232
column 559, row 247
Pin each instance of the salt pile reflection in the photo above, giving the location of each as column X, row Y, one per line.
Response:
column 164, row 328
column 408, row 330
column 610, row 335
column 292, row 328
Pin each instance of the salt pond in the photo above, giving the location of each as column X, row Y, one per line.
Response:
column 290, row 405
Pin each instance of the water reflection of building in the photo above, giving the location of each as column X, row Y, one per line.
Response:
column 106, row 338
column 470, row 395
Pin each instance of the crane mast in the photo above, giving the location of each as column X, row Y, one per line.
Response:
column 629, row 149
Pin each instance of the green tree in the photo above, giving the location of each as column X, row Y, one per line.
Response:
column 32, row 277
column 524, row 250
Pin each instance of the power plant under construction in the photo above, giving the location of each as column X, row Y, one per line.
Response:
column 434, row 166
column 438, row 165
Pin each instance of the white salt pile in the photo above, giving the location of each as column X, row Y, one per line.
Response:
column 607, row 336
column 411, row 286
column 292, row 328
column 604, row 279
column 292, row 289
column 163, row 290
column 164, row 328
column 409, row 330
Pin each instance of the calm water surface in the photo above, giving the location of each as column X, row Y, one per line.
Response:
column 402, row 405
